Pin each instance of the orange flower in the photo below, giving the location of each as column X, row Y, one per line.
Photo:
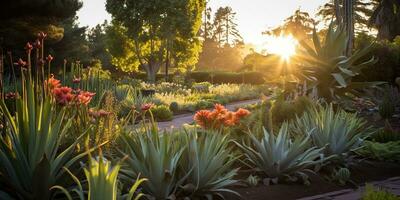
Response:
column 63, row 95
column 242, row 113
column 203, row 118
column 85, row 97
column 220, row 108
column 52, row 83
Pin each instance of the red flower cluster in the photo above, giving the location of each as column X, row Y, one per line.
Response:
column 11, row 95
column 146, row 106
column 219, row 117
column 65, row 95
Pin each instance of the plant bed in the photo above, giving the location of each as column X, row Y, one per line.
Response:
column 366, row 171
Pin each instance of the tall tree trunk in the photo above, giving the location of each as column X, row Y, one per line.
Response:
column 338, row 15
column 167, row 62
column 349, row 24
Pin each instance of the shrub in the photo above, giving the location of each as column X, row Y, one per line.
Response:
column 372, row 193
column 227, row 77
column 208, row 160
column 102, row 182
column 283, row 111
column 203, row 104
column 174, row 106
column 279, row 156
column 156, row 157
column 162, row 113
column 389, row 151
column 340, row 132
column 201, row 87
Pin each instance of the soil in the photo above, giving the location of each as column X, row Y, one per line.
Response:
column 366, row 171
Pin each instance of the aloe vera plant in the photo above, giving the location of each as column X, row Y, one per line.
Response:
column 30, row 158
column 327, row 68
column 208, row 160
column 280, row 156
column 102, row 180
column 340, row 132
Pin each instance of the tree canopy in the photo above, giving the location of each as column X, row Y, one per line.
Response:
column 161, row 30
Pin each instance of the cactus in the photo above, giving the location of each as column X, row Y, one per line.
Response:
column 252, row 181
column 342, row 176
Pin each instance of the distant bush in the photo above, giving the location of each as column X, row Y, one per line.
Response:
column 387, row 67
column 227, row 77
column 162, row 113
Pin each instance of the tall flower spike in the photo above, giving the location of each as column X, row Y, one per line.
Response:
column 49, row 58
column 20, row 63
column 28, row 47
column 41, row 35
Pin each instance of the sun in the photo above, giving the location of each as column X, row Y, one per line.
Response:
column 284, row 46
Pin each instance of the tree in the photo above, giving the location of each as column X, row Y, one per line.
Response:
column 225, row 29
column 73, row 46
column 207, row 27
column 21, row 20
column 300, row 25
column 362, row 12
column 386, row 18
column 156, row 26
column 97, row 39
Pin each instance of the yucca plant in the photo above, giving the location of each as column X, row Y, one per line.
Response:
column 327, row 68
column 280, row 156
column 156, row 157
column 340, row 132
column 208, row 160
column 30, row 158
column 102, row 181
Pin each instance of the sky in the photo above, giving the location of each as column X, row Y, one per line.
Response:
column 253, row 16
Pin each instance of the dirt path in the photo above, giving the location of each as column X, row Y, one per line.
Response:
column 179, row 120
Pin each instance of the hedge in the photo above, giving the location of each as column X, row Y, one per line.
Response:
column 227, row 77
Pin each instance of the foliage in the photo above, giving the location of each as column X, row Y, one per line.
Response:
column 388, row 60
column 361, row 13
column 174, row 106
column 386, row 135
column 162, row 113
column 342, row 176
column 155, row 157
column 161, row 31
column 279, row 156
column 387, row 106
column 208, row 160
column 371, row 193
column 300, row 25
column 30, row 153
column 389, row 151
column 328, row 69
column 227, row 77
column 102, row 180
column 339, row 132
column 203, row 87
column 386, row 18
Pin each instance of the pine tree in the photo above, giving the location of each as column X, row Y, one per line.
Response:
column 225, row 28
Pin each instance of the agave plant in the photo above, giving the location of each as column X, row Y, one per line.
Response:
column 208, row 161
column 327, row 68
column 156, row 158
column 102, row 180
column 279, row 156
column 340, row 132
column 30, row 158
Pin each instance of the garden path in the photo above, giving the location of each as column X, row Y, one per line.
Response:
column 179, row 120
column 392, row 185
